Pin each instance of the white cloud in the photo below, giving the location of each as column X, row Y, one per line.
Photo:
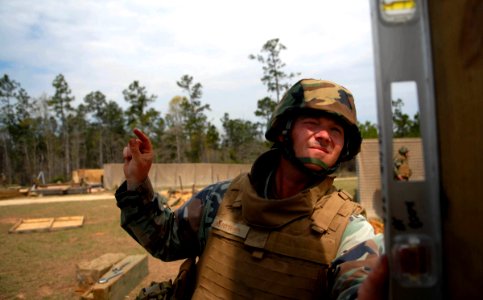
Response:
column 105, row 45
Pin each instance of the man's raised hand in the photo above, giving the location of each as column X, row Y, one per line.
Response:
column 138, row 158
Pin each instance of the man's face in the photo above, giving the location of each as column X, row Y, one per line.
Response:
column 318, row 137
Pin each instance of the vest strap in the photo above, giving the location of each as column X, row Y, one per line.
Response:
column 324, row 216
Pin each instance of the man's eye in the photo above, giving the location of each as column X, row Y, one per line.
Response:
column 311, row 122
column 337, row 130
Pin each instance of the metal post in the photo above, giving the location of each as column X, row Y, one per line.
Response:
column 412, row 209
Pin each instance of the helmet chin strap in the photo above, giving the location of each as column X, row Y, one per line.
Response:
column 313, row 161
column 324, row 171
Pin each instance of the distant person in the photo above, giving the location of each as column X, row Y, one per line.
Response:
column 402, row 171
column 281, row 231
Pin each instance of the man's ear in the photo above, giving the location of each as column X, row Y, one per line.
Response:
column 280, row 138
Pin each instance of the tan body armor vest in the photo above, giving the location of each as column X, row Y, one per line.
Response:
column 273, row 249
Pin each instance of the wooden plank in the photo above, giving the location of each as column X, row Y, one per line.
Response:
column 32, row 225
column 46, row 224
column 15, row 226
column 88, row 272
column 67, row 222
column 456, row 31
column 134, row 269
column 11, row 193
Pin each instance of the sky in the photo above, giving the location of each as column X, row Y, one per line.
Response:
column 106, row 45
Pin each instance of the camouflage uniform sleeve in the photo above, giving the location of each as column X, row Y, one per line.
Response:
column 166, row 234
column 357, row 255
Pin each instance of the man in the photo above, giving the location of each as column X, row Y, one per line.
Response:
column 281, row 231
column 402, row 172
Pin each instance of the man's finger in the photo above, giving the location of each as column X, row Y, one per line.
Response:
column 126, row 153
column 134, row 147
column 145, row 141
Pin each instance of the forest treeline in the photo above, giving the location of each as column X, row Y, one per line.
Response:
column 49, row 134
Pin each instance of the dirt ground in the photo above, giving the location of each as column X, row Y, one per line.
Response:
column 101, row 228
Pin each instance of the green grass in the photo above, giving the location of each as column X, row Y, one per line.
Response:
column 41, row 265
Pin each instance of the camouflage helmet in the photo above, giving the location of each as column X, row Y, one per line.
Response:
column 323, row 96
column 403, row 150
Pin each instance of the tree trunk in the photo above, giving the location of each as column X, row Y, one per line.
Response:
column 50, row 145
column 101, row 150
column 178, row 149
column 28, row 172
column 66, row 152
column 7, row 164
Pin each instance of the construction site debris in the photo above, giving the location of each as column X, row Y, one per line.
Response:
column 11, row 193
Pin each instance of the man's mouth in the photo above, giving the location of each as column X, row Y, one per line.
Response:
column 318, row 148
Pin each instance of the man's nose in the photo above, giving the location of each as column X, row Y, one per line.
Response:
column 322, row 134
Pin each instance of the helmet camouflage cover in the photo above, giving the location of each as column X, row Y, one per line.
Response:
column 403, row 150
column 318, row 95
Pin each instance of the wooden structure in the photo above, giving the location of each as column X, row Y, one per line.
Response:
column 88, row 176
column 457, row 41
column 89, row 272
column 120, row 279
column 46, row 224
column 178, row 176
